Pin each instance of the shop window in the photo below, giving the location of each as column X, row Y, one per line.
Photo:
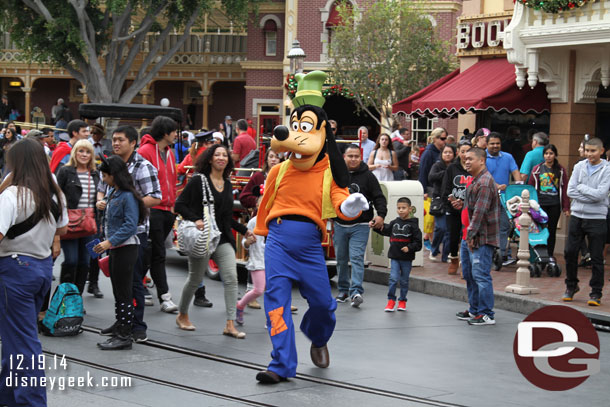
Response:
column 421, row 127
column 333, row 21
column 270, row 30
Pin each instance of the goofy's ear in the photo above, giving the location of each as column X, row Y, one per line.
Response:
column 337, row 163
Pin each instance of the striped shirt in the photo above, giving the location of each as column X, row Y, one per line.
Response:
column 87, row 198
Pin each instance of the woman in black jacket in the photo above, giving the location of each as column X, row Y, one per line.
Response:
column 215, row 164
column 453, row 192
column 78, row 180
column 435, row 179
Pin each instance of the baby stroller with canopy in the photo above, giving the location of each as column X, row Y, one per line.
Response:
column 539, row 233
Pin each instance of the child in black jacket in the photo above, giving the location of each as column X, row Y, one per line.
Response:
column 405, row 241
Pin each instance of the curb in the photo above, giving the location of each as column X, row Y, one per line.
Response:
column 507, row 301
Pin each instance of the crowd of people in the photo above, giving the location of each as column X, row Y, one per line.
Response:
column 125, row 190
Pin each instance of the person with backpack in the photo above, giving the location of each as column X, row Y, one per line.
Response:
column 33, row 212
column 125, row 210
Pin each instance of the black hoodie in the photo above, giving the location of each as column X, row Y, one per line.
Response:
column 454, row 182
column 402, row 233
column 362, row 180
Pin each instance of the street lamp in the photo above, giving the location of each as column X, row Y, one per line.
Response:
column 165, row 102
column 297, row 57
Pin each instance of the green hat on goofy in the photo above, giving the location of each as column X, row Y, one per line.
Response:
column 309, row 89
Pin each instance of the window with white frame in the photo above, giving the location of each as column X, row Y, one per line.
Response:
column 270, row 30
column 421, row 127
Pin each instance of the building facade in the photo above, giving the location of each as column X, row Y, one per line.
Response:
column 241, row 74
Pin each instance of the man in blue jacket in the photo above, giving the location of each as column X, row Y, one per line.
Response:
column 431, row 154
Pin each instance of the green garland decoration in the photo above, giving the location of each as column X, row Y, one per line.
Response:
column 554, row 6
column 291, row 89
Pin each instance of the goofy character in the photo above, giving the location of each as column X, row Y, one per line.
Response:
column 300, row 195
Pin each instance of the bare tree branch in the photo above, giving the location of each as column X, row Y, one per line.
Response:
column 39, row 8
column 145, row 24
column 140, row 80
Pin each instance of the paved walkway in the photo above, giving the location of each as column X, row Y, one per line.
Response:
column 424, row 352
column 551, row 288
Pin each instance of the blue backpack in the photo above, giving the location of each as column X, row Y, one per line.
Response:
column 65, row 314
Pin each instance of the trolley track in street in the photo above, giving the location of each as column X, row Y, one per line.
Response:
column 252, row 366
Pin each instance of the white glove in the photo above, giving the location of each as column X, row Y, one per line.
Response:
column 354, row 204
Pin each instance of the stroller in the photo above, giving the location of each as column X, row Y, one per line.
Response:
column 539, row 257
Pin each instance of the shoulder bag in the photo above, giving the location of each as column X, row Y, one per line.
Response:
column 81, row 222
column 437, row 207
column 200, row 243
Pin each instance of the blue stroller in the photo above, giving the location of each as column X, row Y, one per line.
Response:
column 539, row 258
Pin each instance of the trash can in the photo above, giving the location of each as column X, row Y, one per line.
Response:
column 378, row 245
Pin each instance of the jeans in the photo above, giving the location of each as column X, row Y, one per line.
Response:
column 554, row 212
column 399, row 271
column 441, row 236
column 350, row 244
column 24, row 281
column 75, row 251
column 480, row 260
column 504, row 231
column 595, row 231
column 224, row 256
column 139, row 291
column 161, row 223
column 471, row 286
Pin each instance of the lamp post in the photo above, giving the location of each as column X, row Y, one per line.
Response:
column 296, row 55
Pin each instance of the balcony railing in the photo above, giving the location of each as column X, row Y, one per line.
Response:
column 198, row 49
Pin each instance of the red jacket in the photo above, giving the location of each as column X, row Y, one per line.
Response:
column 149, row 149
column 59, row 153
column 188, row 161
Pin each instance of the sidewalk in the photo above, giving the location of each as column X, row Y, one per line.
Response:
column 433, row 279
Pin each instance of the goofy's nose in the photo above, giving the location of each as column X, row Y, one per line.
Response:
column 280, row 133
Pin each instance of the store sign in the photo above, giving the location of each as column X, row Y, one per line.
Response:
column 473, row 35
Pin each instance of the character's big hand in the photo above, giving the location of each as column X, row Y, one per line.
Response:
column 354, row 204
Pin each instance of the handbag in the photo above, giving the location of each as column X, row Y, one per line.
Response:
column 200, row 243
column 81, row 222
column 436, row 207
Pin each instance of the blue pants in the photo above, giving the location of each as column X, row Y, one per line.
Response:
column 441, row 236
column 399, row 272
column 350, row 244
column 471, row 286
column 293, row 253
column 24, row 282
column 139, row 291
column 481, row 259
column 504, row 231
column 75, row 251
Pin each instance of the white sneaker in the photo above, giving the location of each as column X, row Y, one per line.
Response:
column 433, row 258
column 357, row 300
column 167, row 305
column 148, row 300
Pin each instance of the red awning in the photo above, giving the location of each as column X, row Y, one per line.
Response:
column 488, row 84
column 405, row 105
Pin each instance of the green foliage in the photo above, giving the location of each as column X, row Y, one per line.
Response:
column 77, row 34
column 387, row 53
column 554, row 6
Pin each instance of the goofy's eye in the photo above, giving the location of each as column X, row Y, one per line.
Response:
column 295, row 126
column 306, row 127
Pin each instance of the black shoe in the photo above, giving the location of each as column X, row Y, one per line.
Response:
column 139, row 336
column 110, row 331
column 569, row 294
column 95, row 290
column 116, row 343
column 269, row 377
column 585, row 261
column 200, row 299
column 595, row 300
column 464, row 316
column 342, row 297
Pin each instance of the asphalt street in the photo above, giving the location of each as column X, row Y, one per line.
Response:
column 423, row 356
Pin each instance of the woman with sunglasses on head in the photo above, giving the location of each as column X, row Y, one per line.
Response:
column 453, row 193
column 383, row 161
